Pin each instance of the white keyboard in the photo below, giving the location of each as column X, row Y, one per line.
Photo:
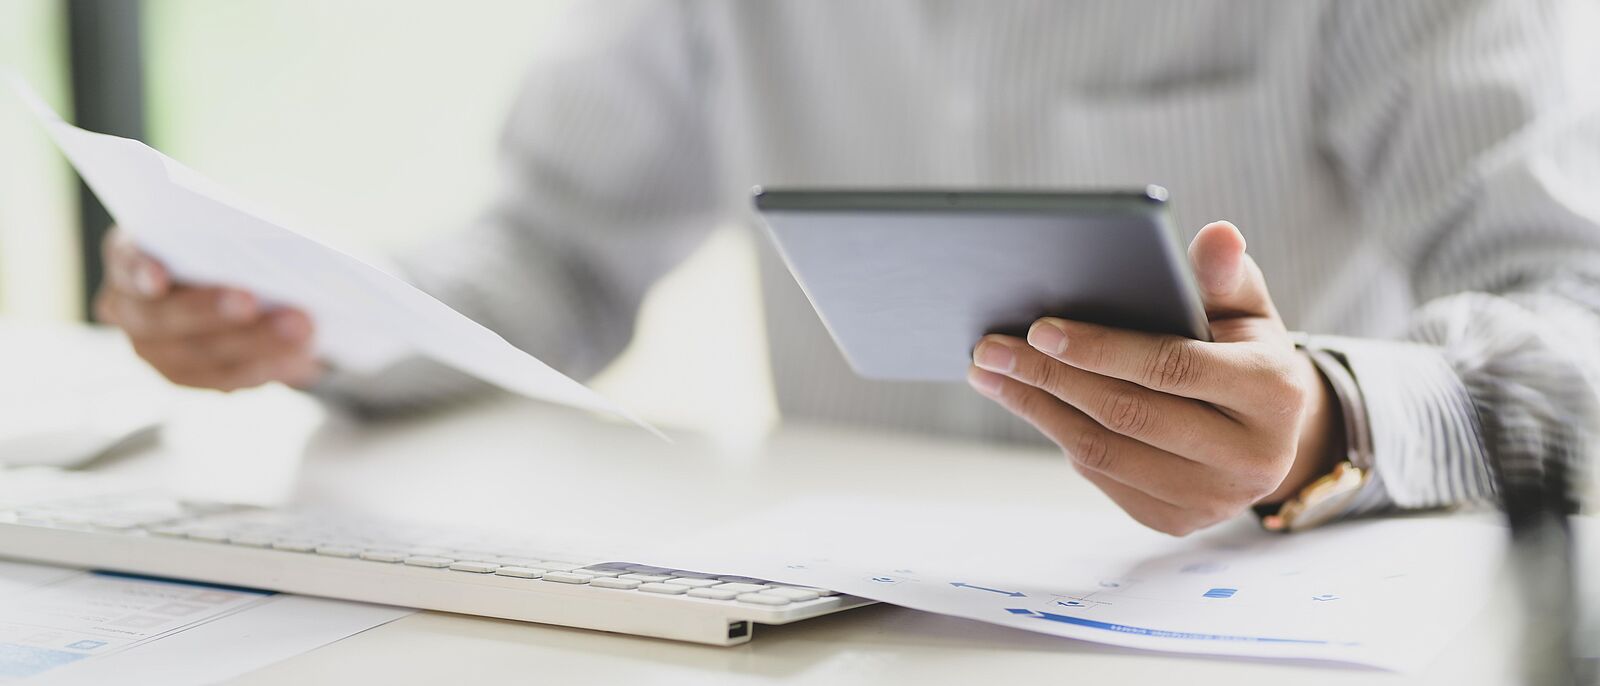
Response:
column 84, row 520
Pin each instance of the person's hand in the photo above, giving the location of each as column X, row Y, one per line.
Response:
column 1181, row 434
column 207, row 337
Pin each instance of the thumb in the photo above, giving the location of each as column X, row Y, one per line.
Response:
column 1231, row 285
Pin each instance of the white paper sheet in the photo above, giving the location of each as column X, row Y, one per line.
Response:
column 365, row 318
column 64, row 627
column 1384, row 593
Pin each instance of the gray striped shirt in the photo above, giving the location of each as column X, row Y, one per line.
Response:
column 1419, row 180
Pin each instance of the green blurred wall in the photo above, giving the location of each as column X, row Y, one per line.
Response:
column 38, row 212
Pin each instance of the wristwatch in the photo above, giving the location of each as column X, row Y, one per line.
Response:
column 1331, row 494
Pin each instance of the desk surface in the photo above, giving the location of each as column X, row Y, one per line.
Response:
column 513, row 459
column 510, row 460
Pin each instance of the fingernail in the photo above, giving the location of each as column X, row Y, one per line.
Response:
column 235, row 306
column 144, row 280
column 289, row 327
column 1047, row 337
column 984, row 382
column 994, row 357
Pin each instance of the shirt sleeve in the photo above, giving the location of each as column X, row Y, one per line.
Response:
column 609, row 173
column 1471, row 144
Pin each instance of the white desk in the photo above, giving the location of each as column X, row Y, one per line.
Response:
column 513, row 460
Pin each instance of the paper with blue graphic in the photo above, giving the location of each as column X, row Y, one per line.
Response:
column 1384, row 593
column 68, row 627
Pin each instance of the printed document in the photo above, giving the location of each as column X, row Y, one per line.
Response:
column 365, row 318
column 1386, row 593
column 65, row 627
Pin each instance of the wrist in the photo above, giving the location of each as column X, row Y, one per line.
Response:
column 1321, row 442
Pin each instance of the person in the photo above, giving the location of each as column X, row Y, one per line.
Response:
column 1415, row 178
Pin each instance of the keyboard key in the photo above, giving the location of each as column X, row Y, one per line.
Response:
column 294, row 546
column 762, row 599
column 519, row 572
column 647, row 569
column 48, row 515
column 170, row 531
column 712, row 593
column 557, row 566
column 383, row 555
column 567, row 577
column 798, row 595
column 471, row 556
column 429, row 561
column 249, row 540
column 742, row 587
column 646, row 578
column 115, row 522
column 598, row 572
column 667, row 589
column 743, row 580
column 474, row 567
column 337, row 551
column 691, row 575
column 819, row 591
column 612, row 582
column 211, row 535
column 692, row 583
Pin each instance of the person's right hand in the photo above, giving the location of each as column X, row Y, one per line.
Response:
column 207, row 337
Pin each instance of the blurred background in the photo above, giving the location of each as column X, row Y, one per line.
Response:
column 371, row 122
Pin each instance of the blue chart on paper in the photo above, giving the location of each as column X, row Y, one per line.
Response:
column 1157, row 633
column 19, row 661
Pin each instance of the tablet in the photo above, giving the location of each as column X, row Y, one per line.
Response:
column 906, row 282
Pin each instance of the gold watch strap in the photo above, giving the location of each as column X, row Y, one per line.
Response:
column 1319, row 502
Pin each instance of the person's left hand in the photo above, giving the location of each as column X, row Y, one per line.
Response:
column 1182, row 434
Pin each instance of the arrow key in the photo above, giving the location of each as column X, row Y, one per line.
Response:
column 740, row 587
column 763, row 598
column 798, row 595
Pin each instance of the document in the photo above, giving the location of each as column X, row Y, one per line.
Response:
column 365, row 317
column 65, row 627
column 1384, row 593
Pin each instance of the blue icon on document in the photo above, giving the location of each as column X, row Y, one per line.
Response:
column 883, row 579
column 1070, row 603
column 1221, row 592
column 86, row 645
column 1325, row 597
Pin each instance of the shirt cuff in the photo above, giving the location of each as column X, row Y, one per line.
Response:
column 1426, row 445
